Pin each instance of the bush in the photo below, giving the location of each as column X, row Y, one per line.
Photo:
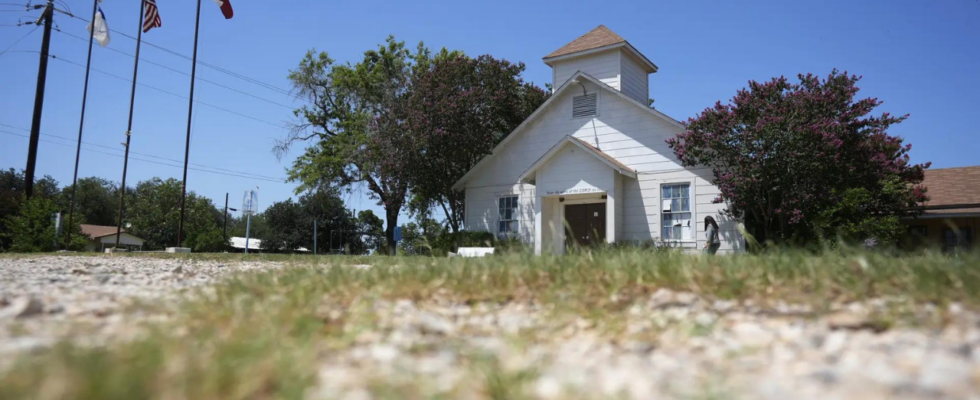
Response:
column 32, row 228
column 850, row 221
column 209, row 241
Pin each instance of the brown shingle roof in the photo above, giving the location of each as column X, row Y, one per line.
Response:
column 950, row 186
column 97, row 231
column 596, row 38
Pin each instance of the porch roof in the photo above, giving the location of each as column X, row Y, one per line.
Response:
column 618, row 166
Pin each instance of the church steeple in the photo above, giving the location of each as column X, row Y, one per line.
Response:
column 606, row 56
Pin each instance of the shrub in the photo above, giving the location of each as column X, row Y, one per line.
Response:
column 32, row 228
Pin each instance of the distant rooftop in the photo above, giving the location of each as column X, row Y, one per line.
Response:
column 953, row 186
column 97, row 231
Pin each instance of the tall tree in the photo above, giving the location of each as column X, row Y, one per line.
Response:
column 287, row 231
column 371, row 228
column 357, row 139
column 12, row 196
column 456, row 111
column 291, row 224
column 792, row 158
column 155, row 213
column 419, row 236
column 96, row 200
column 32, row 229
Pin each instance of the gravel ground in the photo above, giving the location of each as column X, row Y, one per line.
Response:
column 674, row 345
column 43, row 299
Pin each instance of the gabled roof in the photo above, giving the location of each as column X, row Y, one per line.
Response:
column 952, row 187
column 97, row 231
column 598, row 39
column 588, row 148
column 460, row 184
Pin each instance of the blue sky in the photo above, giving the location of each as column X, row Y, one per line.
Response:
column 919, row 57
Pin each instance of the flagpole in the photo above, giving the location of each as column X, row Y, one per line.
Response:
column 81, row 124
column 129, row 126
column 190, row 113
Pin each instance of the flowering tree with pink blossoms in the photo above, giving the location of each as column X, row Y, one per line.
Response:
column 806, row 161
column 456, row 111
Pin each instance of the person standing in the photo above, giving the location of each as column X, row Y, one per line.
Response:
column 712, row 243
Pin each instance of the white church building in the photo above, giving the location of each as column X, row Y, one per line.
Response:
column 592, row 165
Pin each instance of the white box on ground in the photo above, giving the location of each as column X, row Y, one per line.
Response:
column 178, row 250
column 110, row 250
column 475, row 251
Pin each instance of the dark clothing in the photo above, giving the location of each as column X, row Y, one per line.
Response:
column 713, row 241
column 712, row 249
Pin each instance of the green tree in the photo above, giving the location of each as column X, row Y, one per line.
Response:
column 96, row 201
column 286, row 231
column 372, row 229
column 291, row 224
column 418, row 237
column 32, row 229
column 12, row 196
column 259, row 229
column 155, row 215
column 799, row 161
column 357, row 140
column 456, row 111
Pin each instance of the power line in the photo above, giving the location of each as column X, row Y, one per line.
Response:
column 18, row 40
column 151, row 155
column 212, row 66
column 172, row 93
column 149, row 161
column 182, row 72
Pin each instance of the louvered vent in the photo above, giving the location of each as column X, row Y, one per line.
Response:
column 584, row 106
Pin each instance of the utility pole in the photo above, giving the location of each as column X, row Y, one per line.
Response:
column 42, row 75
column 314, row 237
column 225, row 229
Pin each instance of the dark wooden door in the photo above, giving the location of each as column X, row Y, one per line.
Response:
column 586, row 224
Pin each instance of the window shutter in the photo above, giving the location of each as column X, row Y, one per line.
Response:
column 584, row 106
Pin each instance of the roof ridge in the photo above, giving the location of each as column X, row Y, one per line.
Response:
column 599, row 36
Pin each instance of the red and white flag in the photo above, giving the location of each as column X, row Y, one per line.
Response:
column 226, row 8
column 151, row 16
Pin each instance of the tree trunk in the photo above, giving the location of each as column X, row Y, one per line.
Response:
column 391, row 221
column 450, row 216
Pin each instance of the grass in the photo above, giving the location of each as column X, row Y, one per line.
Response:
column 261, row 335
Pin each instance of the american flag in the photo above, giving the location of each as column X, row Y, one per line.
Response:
column 151, row 17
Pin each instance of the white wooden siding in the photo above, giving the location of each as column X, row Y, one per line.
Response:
column 634, row 79
column 634, row 136
column 482, row 211
column 603, row 66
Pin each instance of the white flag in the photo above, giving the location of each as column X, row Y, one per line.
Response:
column 101, row 34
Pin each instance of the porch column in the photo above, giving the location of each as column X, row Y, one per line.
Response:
column 538, row 222
column 612, row 203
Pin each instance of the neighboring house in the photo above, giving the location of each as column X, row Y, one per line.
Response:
column 951, row 217
column 104, row 237
column 591, row 164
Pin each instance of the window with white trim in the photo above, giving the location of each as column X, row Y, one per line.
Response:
column 508, row 216
column 676, row 210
